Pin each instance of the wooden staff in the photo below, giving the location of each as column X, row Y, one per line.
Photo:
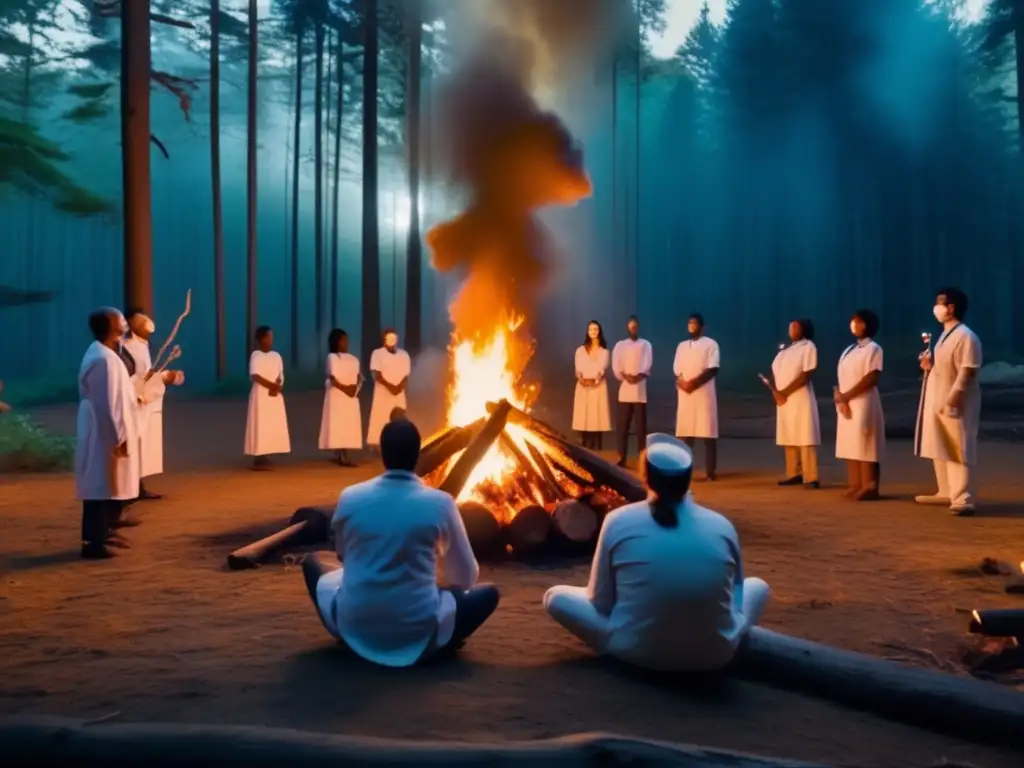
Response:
column 174, row 330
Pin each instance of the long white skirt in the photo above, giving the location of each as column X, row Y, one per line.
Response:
column 266, row 425
column 380, row 412
column 341, row 423
column 590, row 409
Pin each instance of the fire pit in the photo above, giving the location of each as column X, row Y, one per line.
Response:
column 521, row 485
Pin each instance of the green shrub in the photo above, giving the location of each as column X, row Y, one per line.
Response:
column 27, row 447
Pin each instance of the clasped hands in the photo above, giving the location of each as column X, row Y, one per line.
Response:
column 590, row 383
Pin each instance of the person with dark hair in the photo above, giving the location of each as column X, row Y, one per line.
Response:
column 860, row 423
column 590, row 411
column 341, row 422
column 266, row 424
column 950, row 407
column 666, row 588
column 150, row 386
column 106, row 441
column 390, row 368
column 384, row 602
column 695, row 367
column 797, row 428
column 632, row 359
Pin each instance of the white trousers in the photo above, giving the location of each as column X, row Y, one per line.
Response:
column 571, row 607
column 954, row 482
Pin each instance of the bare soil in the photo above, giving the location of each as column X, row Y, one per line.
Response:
column 165, row 632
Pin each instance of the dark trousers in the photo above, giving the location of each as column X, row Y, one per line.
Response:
column 473, row 607
column 710, row 452
column 592, row 440
column 97, row 517
column 632, row 413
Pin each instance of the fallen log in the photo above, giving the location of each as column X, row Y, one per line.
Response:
column 955, row 706
column 1008, row 622
column 41, row 741
column 477, row 448
column 545, row 469
column 575, row 526
column 308, row 526
column 550, row 492
column 441, row 448
column 529, row 531
column 482, row 528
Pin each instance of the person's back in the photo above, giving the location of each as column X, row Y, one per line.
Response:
column 388, row 534
column 675, row 588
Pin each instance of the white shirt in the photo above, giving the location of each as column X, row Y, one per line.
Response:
column 673, row 596
column 633, row 357
column 388, row 533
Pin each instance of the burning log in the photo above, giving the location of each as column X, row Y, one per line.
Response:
column 529, row 530
column 550, row 491
column 575, row 525
column 436, row 452
column 628, row 486
column 601, row 503
column 482, row 528
column 545, row 469
column 478, row 447
column 525, row 420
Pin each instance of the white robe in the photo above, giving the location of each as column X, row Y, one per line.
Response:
column 151, row 409
column 393, row 367
column 633, row 357
column 697, row 411
column 106, row 419
column 939, row 435
column 341, row 423
column 266, row 425
column 590, row 410
column 862, row 436
column 797, row 419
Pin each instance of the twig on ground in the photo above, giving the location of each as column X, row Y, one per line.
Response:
column 103, row 718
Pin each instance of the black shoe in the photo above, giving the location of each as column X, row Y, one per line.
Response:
column 711, row 477
column 812, row 486
column 260, row 464
column 96, row 552
column 118, row 542
column 124, row 523
column 145, row 495
column 795, row 480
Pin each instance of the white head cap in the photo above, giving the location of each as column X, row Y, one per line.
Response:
column 668, row 455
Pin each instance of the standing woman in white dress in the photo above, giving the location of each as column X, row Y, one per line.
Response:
column 341, row 425
column 591, row 414
column 797, row 428
column 860, row 424
column 266, row 425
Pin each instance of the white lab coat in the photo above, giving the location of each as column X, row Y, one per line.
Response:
column 862, row 436
column 106, row 418
column 940, row 436
column 590, row 409
column 341, row 423
column 151, row 407
column 266, row 424
column 633, row 357
column 697, row 411
column 797, row 419
column 392, row 367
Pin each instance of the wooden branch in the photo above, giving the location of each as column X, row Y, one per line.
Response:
column 540, row 459
column 447, row 444
column 533, row 476
column 523, row 419
column 160, row 145
column 40, row 741
column 627, row 485
column 160, row 18
column 475, row 451
column 955, row 706
column 180, row 86
column 568, row 467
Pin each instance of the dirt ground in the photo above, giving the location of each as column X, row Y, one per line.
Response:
column 165, row 632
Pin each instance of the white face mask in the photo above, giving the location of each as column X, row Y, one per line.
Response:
column 941, row 312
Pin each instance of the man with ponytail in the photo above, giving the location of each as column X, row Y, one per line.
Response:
column 666, row 589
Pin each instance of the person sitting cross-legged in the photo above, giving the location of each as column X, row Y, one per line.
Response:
column 384, row 602
column 666, row 588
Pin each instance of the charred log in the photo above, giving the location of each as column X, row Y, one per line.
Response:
column 529, row 531
column 628, row 486
column 482, row 528
column 575, row 526
column 477, row 449
column 523, row 419
column 546, row 471
column 549, row 491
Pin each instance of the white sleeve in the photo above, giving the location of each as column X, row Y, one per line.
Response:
column 461, row 569
column 601, row 587
column 280, row 367
column 375, row 365
column 617, row 362
column 677, row 363
column 714, row 356
column 967, row 353
column 577, row 359
column 254, row 369
column 875, row 359
column 647, row 361
column 810, row 358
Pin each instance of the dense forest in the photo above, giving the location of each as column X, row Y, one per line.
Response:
column 803, row 158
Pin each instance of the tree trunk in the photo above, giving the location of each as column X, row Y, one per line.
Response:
column 1018, row 44
column 250, row 167
column 371, row 232
column 336, row 181
column 295, row 201
column 218, row 213
column 26, row 107
column 414, row 244
column 318, row 182
column 135, row 187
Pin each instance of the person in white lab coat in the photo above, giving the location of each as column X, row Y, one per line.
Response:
column 390, row 368
column 266, row 423
column 949, row 412
column 666, row 589
column 341, row 424
column 860, row 423
column 590, row 410
column 106, row 437
column 695, row 367
column 384, row 603
column 632, row 359
column 151, row 387
column 797, row 428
